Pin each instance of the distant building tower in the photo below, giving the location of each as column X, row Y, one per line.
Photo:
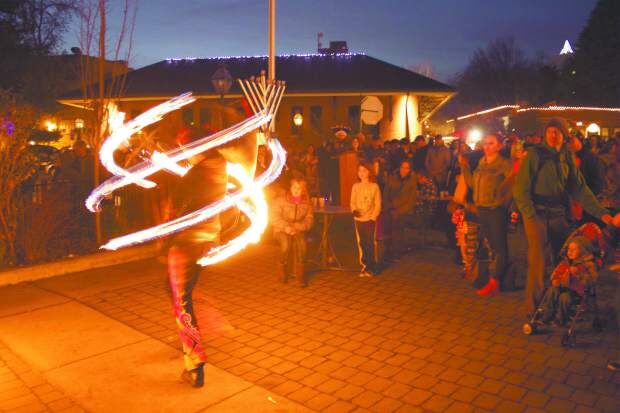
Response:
column 566, row 49
column 319, row 40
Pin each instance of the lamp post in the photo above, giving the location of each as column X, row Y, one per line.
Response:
column 271, row 74
column 271, row 66
column 222, row 81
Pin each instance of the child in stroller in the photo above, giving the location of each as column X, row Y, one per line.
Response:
column 575, row 275
column 572, row 290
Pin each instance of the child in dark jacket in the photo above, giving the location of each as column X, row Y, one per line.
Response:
column 575, row 274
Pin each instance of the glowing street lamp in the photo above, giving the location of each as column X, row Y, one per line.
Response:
column 51, row 126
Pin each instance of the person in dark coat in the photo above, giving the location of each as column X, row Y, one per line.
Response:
column 399, row 198
column 420, row 149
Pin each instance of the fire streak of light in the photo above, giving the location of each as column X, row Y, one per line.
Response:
column 248, row 196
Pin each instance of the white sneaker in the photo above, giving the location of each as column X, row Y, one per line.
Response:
column 365, row 274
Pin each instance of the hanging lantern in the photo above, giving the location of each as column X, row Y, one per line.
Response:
column 222, row 81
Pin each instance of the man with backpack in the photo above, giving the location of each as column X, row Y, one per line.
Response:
column 545, row 181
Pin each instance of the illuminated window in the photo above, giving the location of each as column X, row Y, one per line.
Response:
column 205, row 116
column 296, row 128
column 188, row 117
column 354, row 119
column 316, row 118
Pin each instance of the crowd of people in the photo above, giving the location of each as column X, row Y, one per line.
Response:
column 393, row 188
column 546, row 185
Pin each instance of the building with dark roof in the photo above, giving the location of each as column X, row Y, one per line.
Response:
column 326, row 89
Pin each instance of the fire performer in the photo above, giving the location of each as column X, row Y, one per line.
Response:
column 203, row 194
column 185, row 250
column 204, row 183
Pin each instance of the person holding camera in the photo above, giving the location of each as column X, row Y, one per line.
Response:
column 366, row 206
column 491, row 184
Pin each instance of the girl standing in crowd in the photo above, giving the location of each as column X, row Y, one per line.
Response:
column 292, row 217
column 366, row 206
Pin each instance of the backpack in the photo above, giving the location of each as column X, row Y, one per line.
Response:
column 544, row 156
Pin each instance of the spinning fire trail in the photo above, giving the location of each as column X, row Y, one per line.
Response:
column 264, row 98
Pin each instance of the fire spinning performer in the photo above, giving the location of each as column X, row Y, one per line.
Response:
column 208, row 173
column 202, row 194
column 204, row 184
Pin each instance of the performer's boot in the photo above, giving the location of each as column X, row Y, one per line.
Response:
column 299, row 273
column 281, row 272
column 195, row 377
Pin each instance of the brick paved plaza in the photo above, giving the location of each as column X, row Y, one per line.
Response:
column 414, row 339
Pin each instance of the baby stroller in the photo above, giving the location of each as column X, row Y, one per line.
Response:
column 585, row 305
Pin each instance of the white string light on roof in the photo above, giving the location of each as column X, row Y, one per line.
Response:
column 483, row 112
column 561, row 108
column 546, row 108
column 191, row 58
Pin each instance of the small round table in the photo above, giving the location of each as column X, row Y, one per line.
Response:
column 327, row 259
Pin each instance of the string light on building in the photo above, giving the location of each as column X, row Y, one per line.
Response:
column 484, row 112
column 563, row 108
column 285, row 56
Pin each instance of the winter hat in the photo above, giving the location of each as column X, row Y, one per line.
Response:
column 556, row 123
column 584, row 244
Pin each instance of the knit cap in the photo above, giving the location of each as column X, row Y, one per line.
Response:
column 584, row 244
column 556, row 123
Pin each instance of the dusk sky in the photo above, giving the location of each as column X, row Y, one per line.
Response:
column 442, row 33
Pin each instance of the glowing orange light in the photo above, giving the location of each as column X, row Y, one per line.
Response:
column 593, row 128
column 51, row 126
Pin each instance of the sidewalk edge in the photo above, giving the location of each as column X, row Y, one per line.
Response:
column 77, row 264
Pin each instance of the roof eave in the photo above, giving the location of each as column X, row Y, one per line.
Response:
column 80, row 102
